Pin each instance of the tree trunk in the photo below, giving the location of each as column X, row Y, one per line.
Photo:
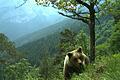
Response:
column 92, row 34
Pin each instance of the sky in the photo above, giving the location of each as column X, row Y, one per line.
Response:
column 16, row 22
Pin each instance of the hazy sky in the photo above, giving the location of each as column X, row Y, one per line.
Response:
column 16, row 22
column 24, row 13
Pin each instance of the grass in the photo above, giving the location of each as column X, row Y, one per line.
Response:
column 105, row 68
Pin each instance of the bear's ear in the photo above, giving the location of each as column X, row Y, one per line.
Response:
column 69, row 55
column 79, row 50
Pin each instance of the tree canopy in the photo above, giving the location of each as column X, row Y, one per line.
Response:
column 75, row 9
column 111, row 7
column 6, row 47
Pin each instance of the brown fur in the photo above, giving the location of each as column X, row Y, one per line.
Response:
column 75, row 62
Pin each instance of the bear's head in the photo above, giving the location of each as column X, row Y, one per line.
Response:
column 77, row 59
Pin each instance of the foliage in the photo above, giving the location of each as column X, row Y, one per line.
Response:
column 67, row 40
column 21, row 71
column 103, row 49
column 111, row 39
column 8, row 53
column 70, row 41
column 76, row 9
column 112, row 7
column 47, row 70
column 104, row 31
column 6, row 45
column 114, row 39
column 81, row 39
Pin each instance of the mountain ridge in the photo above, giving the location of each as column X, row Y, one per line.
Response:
column 48, row 30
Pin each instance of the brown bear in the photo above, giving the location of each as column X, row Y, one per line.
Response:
column 75, row 62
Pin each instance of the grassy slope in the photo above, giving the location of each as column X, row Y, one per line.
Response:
column 105, row 68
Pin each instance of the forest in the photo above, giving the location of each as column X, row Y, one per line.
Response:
column 92, row 24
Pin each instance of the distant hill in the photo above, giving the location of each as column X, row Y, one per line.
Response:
column 46, row 40
column 55, row 28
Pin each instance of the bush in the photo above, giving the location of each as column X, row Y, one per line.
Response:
column 21, row 71
column 102, row 49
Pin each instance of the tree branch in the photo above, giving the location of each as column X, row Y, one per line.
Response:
column 84, row 13
column 77, row 14
column 83, row 3
column 21, row 4
column 73, row 17
column 98, row 20
column 98, row 9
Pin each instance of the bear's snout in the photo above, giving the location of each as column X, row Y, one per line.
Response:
column 80, row 64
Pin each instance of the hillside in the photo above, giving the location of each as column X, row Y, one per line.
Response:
column 46, row 39
column 55, row 28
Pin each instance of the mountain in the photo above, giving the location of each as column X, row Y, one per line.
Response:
column 55, row 28
column 36, row 44
column 16, row 22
